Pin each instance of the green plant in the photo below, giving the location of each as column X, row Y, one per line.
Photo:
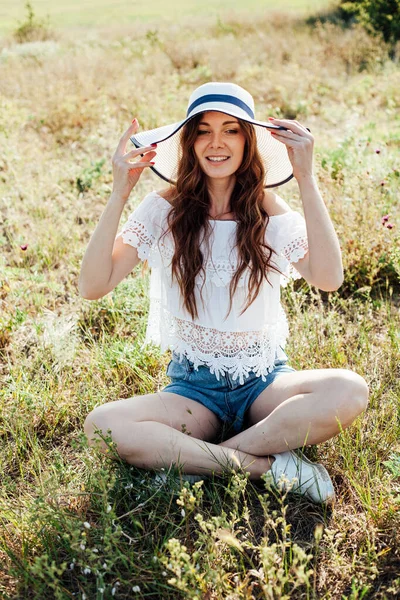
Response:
column 33, row 29
column 377, row 16
column 90, row 176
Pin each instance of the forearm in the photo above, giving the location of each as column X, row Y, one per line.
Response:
column 96, row 266
column 325, row 259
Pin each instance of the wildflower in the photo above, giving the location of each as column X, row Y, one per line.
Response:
column 71, row 566
column 24, row 247
column 86, row 525
column 104, row 565
column 389, row 226
column 82, row 546
column 383, row 182
column 385, row 219
column 377, row 151
column 109, row 508
column 87, row 571
column 101, row 590
column 84, row 596
column 183, row 512
column 95, row 550
column 136, row 588
column 155, row 559
column 113, row 591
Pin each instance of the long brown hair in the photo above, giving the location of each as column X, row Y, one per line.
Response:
column 191, row 227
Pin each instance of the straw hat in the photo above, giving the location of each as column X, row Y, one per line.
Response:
column 232, row 100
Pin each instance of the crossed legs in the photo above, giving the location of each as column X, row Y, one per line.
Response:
column 297, row 409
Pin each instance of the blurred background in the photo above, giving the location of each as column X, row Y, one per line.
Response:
column 73, row 75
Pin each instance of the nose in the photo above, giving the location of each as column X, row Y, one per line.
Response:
column 216, row 140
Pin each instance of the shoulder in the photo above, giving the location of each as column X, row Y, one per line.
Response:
column 274, row 205
column 167, row 194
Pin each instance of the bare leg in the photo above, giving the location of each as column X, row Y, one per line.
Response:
column 300, row 409
column 146, row 432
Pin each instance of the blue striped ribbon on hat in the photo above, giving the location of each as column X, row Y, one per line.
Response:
column 221, row 98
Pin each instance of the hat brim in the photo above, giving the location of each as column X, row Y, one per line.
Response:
column 273, row 153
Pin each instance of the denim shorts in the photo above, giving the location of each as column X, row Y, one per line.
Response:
column 226, row 398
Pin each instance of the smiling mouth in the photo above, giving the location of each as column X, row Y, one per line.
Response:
column 217, row 159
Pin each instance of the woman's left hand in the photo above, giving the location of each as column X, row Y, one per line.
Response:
column 299, row 143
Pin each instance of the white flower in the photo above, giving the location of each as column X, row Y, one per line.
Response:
column 104, row 565
column 87, row 571
column 95, row 550
column 101, row 590
column 113, row 591
column 183, row 512
column 155, row 559
column 164, row 573
column 109, row 508
column 82, row 547
column 83, row 596
column 136, row 588
column 86, row 525
column 71, row 566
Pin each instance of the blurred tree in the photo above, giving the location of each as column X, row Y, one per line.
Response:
column 377, row 16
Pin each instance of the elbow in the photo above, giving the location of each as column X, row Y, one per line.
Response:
column 333, row 283
column 87, row 293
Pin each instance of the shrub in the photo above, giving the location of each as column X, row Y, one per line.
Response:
column 33, row 29
column 377, row 16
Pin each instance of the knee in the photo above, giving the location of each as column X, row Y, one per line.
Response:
column 97, row 425
column 354, row 393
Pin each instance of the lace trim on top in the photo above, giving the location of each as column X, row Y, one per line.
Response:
column 293, row 252
column 135, row 234
column 219, row 271
column 236, row 353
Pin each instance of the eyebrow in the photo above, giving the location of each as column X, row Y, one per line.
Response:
column 224, row 123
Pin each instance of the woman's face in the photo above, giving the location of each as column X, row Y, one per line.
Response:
column 219, row 145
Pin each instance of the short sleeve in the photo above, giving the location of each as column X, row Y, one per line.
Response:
column 287, row 235
column 140, row 230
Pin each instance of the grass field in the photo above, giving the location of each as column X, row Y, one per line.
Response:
column 88, row 13
column 74, row 524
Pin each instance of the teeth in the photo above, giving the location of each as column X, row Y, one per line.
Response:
column 217, row 158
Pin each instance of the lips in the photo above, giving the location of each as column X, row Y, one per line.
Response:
column 217, row 159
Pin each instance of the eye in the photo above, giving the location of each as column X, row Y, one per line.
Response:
column 202, row 132
column 232, row 131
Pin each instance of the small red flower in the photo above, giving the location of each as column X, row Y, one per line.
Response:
column 383, row 183
column 385, row 219
column 389, row 226
column 24, row 247
column 377, row 151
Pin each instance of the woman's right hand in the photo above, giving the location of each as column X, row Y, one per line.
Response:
column 126, row 174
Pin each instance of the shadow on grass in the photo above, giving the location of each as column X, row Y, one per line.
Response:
column 119, row 529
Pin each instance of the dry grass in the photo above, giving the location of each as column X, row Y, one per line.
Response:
column 63, row 107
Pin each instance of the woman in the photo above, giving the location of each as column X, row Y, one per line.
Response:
column 219, row 244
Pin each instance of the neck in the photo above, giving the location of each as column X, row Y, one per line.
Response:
column 220, row 191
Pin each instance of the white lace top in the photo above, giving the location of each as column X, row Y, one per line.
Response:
column 236, row 343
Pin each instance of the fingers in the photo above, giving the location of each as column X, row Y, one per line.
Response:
column 140, row 165
column 133, row 128
column 288, row 134
column 138, row 151
column 292, row 125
